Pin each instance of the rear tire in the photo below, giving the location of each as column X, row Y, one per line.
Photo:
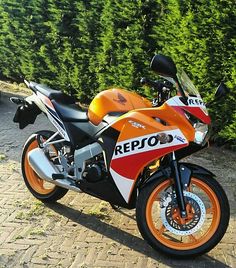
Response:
column 167, row 235
column 46, row 192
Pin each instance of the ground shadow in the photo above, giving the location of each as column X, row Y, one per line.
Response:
column 135, row 243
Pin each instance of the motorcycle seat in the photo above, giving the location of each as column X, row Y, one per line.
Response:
column 52, row 94
column 70, row 113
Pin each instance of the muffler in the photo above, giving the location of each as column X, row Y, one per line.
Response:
column 45, row 170
column 41, row 165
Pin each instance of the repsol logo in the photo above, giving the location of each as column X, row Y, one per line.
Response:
column 195, row 102
column 151, row 141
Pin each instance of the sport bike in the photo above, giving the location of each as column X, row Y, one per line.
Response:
column 127, row 151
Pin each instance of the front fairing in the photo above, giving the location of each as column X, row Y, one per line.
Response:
column 194, row 105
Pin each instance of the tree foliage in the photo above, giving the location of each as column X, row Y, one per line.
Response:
column 84, row 47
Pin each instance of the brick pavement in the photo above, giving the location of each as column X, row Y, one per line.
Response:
column 82, row 231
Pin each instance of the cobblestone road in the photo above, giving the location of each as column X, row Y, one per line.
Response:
column 81, row 231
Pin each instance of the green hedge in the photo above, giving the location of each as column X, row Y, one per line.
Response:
column 85, row 46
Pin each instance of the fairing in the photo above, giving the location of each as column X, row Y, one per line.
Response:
column 138, row 143
column 143, row 139
column 114, row 100
column 195, row 107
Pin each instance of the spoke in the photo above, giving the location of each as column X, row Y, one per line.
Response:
column 41, row 182
column 209, row 210
column 192, row 238
column 175, row 215
column 162, row 229
column 189, row 188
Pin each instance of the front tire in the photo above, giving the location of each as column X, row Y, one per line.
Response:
column 42, row 190
column 159, row 220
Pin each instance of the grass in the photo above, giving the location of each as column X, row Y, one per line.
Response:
column 38, row 231
column 14, row 87
column 19, row 237
column 101, row 210
column 30, row 209
column 2, row 157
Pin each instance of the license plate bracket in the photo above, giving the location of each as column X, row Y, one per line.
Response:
column 26, row 114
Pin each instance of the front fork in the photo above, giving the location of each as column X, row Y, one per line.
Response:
column 179, row 177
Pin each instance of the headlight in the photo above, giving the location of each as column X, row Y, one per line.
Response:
column 201, row 131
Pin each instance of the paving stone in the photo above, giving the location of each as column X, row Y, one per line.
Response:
column 66, row 234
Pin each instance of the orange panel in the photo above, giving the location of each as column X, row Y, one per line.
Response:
column 165, row 112
column 135, row 124
column 114, row 100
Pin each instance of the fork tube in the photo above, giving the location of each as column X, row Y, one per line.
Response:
column 178, row 186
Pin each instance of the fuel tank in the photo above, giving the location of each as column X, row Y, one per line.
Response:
column 114, row 100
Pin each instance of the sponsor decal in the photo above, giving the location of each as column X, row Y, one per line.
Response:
column 195, row 101
column 136, row 124
column 149, row 142
column 138, row 144
column 181, row 139
column 192, row 102
column 120, row 99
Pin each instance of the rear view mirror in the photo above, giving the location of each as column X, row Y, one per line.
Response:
column 163, row 65
column 221, row 91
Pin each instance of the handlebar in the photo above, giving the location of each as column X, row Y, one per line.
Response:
column 155, row 84
column 163, row 88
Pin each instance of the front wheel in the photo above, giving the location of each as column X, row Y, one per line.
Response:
column 160, row 223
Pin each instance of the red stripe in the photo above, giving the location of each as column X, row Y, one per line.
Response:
column 130, row 166
column 196, row 111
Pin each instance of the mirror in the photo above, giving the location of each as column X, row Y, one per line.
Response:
column 163, row 65
column 221, row 91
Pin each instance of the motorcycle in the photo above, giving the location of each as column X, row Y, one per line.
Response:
column 126, row 150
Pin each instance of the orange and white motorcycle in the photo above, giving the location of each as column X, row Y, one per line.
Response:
column 127, row 151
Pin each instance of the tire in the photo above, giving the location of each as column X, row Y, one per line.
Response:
column 168, row 232
column 42, row 190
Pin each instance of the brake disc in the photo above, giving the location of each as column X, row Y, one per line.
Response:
column 169, row 205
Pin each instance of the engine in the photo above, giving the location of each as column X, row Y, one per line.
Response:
column 95, row 169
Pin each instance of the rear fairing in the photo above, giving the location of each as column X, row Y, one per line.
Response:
column 47, row 107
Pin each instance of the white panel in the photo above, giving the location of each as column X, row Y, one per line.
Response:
column 123, row 184
column 178, row 138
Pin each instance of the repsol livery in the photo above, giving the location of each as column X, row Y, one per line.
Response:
column 151, row 142
column 125, row 150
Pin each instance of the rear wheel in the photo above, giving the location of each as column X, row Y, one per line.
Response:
column 160, row 223
column 42, row 190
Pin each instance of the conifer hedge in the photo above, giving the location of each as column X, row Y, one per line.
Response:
column 84, row 47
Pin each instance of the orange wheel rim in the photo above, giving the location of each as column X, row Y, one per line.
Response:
column 186, row 242
column 38, row 185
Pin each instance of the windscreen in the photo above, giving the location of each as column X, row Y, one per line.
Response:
column 186, row 84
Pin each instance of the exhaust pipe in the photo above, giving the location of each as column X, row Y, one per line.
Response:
column 41, row 165
column 45, row 170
